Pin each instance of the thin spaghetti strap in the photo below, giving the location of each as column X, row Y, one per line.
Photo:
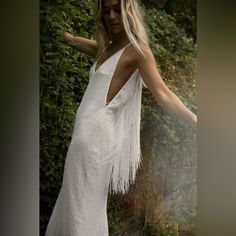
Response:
column 127, row 45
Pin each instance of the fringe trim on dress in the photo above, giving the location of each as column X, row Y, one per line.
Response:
column 127, row 157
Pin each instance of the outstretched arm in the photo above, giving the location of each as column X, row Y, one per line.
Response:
column 84, row 45
column 163, row 95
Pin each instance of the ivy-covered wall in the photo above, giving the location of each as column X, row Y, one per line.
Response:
column 163, row 199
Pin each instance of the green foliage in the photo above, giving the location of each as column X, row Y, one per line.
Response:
column 184, row 13
column 63, row 80
column 163, row 229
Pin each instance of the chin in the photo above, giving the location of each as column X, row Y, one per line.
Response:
column 117, row 31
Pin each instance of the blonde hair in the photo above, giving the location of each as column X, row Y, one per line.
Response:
column 134, row 25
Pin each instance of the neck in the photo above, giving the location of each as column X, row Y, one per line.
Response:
column 119, row 39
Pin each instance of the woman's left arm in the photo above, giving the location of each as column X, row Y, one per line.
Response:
column 162, row 94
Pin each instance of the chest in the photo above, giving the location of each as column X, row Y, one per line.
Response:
column 125, row 67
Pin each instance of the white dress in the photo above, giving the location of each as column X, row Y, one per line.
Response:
column 103, row 155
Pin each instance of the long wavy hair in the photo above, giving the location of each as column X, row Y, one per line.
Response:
column 134, row 25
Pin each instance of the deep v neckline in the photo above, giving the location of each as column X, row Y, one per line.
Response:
column 95, row 64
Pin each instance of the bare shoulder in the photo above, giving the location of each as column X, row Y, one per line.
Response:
column 139, row 58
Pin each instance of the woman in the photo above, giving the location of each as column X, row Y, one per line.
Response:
column 105, row 148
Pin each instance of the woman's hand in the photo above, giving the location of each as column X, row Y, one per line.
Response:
column 82, row 44
column 195, row 123
column 68, row 37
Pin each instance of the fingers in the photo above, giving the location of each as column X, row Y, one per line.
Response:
column 68, row 37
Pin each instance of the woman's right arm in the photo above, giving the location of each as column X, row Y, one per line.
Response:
column 84, row 45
